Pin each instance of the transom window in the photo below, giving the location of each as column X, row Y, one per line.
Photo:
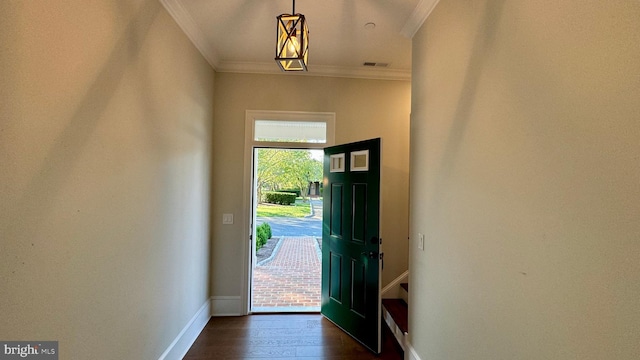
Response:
column 290, row 129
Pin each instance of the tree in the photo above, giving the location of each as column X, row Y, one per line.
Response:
column 280, row 169
column 300, row 169
column 269, row 161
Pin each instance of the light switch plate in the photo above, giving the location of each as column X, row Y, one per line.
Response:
column 420, row 241
column 227, row 219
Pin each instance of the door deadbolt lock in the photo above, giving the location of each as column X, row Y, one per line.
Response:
column 371, row 254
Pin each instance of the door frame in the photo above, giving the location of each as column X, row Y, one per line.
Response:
column 249, row 193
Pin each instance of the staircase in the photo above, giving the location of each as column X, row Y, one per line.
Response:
column 396, row 314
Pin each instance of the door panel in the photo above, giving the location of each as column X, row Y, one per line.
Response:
column 336, row 210
column 359, row 213
column 358, row 287
column 335, row 269
column 350, row 240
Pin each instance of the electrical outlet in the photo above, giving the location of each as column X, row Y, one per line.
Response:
column 421, row 241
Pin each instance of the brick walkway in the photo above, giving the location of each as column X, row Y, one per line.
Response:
column 290, row 281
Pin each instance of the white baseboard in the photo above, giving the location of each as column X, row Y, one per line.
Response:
column 391, row 291
column 410, row 353
column 179, row 347
column 226, row 306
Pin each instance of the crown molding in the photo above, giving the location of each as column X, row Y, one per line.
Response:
column 193, row 32
column 418, row 17
column 316, row 70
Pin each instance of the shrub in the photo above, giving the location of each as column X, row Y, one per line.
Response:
column 282, row 198
column 267, row 229
column 261, row 237
column 293, row 191
column 263, row 233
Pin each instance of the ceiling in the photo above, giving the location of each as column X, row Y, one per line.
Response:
column 240, row 35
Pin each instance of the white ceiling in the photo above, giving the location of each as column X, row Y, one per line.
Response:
column 240, row 35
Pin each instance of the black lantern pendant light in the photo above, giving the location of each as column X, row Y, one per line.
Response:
column 292, row 44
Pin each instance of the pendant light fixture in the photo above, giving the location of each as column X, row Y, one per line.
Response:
column 292, row 42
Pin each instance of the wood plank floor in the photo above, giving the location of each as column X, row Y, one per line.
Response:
column 283, row 336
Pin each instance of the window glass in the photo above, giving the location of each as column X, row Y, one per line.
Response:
column 290, row 131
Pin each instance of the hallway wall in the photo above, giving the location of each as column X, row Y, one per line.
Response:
column 105, row 135
column 364, row 109
column 525, row 173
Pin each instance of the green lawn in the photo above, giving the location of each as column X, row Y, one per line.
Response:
column 272, row 210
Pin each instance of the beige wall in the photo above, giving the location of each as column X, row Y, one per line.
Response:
column 525, row 173
column 105, row 122
column 364, row 109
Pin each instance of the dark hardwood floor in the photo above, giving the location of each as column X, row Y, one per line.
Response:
column 283, row 336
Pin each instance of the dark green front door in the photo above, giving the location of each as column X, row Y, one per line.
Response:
column 351, row 240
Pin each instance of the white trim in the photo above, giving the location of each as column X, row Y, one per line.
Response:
column 250, row 192
column 182, row 343
column 379, row 308
column 394, row 284
column 316, row 70
column 418, row 17
column 333, row 168
column 411, row 354
column 193, row 32
column 226, row 306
